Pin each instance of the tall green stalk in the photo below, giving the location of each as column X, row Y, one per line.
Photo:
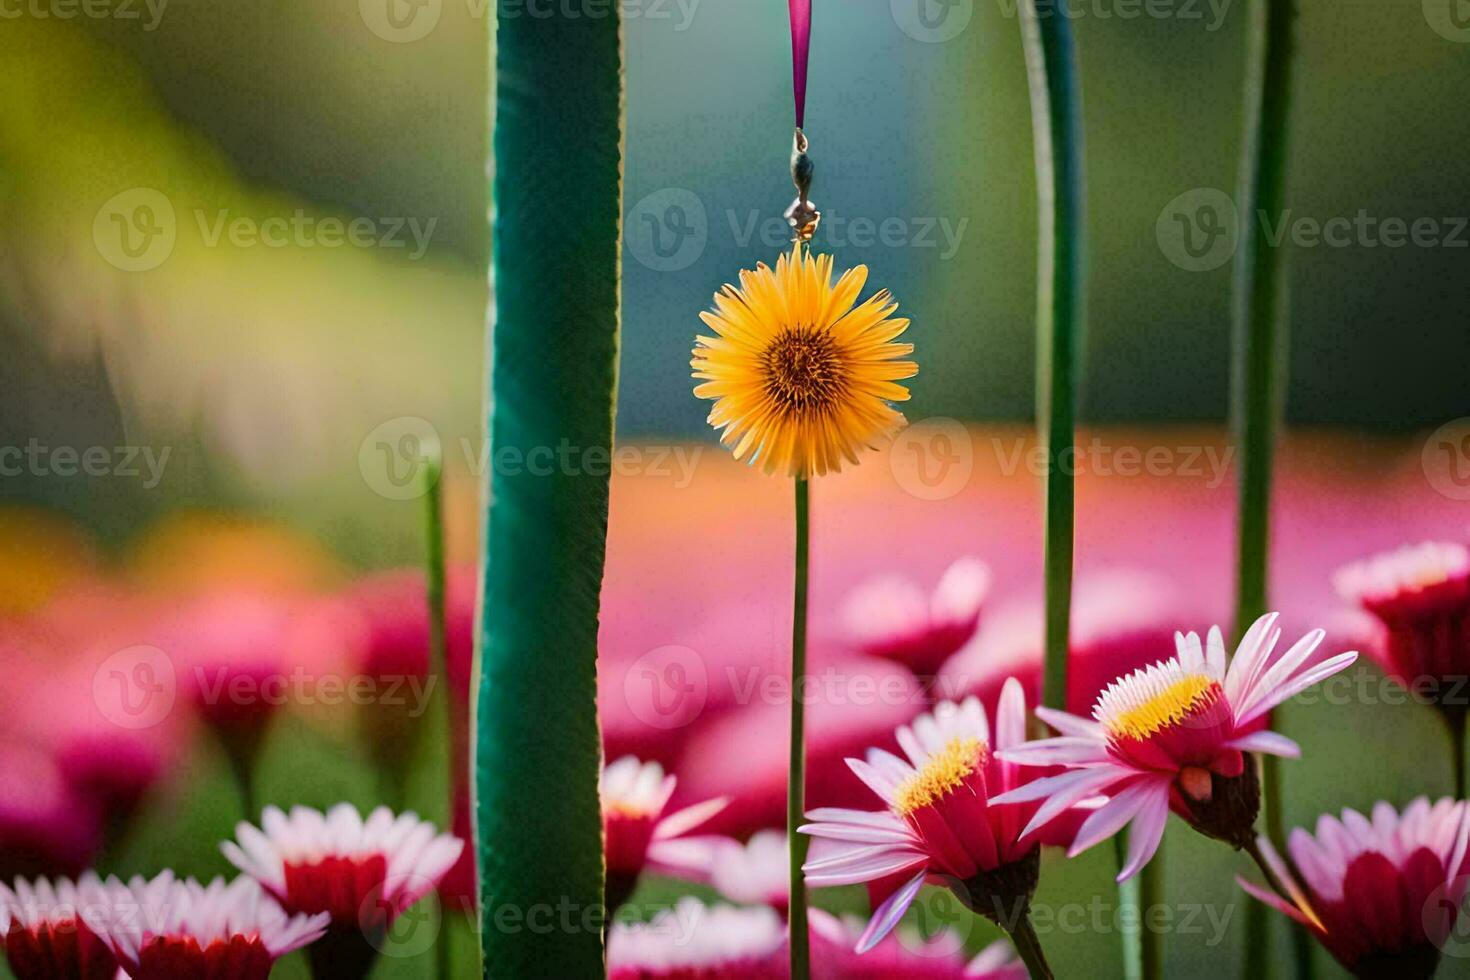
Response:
column 1056, row 121
column 554, row 343
column 1260, row 331
column 796, row 775
column 1056, row 126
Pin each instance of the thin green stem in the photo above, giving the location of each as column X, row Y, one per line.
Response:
column 796, row 779
column 1129, row 897
column 1028, row 946
column 1056, row 123
column 1150, row 894
column 1260, row 332
column 1455, row 723
column 438, row 730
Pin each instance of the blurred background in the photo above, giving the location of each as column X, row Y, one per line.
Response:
column 243, row 254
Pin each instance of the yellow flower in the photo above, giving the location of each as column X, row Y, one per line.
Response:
column 801, row 377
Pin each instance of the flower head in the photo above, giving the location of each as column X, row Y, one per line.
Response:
column 363, row 873
column 692, row 940
column 636, row 830
column 1173, row 735
column 1381, row 894
column 48, row 929
column 891, row 617
column 167, row 929
column 940, row 821
column 1421, row 594
column 801, row 377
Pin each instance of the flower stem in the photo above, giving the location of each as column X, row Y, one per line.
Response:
column 437, row 730
column 1056, row 125
column 796, row 778
column 1028, row 947
column 1056, row 132
column 1259, row 342
column 1455, row 722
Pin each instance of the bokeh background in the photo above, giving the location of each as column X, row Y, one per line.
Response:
column 179, row 290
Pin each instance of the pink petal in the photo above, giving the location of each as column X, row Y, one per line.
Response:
column 886, row 916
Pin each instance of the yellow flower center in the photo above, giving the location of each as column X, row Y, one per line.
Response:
column 804, row 371
column 1168, row 707
column 945, row 772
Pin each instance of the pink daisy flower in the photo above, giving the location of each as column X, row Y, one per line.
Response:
column 693, row 941
column 1382, row 894
column 940, row 823
column 363, row 873
column 893, row 618
column 1422, row 595
column 48, row 930
column 637, row 832
column 167, row 929
column 1174, row 736
column 901, row 954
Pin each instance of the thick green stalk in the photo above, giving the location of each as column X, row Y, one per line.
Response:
column 554, row 343
column 796, row 774
column 1260, row 330
column 1056, row 120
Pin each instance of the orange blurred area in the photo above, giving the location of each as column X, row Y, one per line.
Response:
column 197, row 551
column 41, row 553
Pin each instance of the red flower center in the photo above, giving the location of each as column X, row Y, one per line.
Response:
column 350, row 888
column 182, row 958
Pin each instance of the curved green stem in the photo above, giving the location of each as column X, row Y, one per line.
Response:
column 796, row 777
